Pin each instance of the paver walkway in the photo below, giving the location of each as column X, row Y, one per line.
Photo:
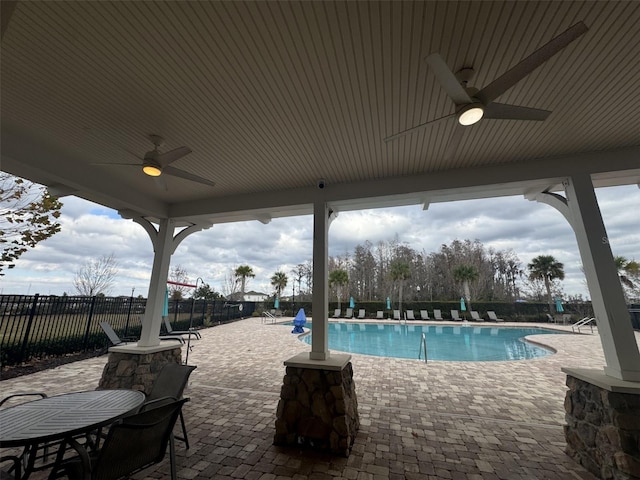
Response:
column 442, row 420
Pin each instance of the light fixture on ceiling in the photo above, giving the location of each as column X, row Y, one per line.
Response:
column 152, row 170
column 470, row 114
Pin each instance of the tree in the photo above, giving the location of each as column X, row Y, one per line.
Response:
column 178, row 274
column 465, row 274
column 243, row 272
column 339, row 278
column 96, row 276
column 205, row 292
column 399, row 271
column 547, row 269
column 629, row 274
column 279, row 281
column 28, row 215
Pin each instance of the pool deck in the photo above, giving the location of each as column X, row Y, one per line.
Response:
column 441, row 420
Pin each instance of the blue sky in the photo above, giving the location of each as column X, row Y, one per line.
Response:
column 529, row 228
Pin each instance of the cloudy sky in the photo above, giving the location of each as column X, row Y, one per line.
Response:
column 90, row 231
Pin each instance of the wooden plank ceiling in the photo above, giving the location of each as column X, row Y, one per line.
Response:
column 272, row 95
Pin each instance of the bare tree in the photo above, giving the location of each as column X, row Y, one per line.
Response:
column 230, row 283
column 96, row 276
column 180, row 275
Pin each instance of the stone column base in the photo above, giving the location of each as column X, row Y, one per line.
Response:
column 318, row 407
column 136, row 368
column 603, row 424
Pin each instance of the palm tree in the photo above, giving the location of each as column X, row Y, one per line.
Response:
column 547, row 268
column 279, row 281
column 399, row 271
column 243, row 272
column 628, row 272
column 465, row 274
column 339, row 278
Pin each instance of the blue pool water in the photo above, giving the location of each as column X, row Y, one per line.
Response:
column 453, row 343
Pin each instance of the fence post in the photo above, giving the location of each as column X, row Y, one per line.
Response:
column 25, row 340
column 86, row 332
column 126, row 327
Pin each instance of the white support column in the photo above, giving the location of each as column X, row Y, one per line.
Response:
column 614, row 324
column 163, row 248
column 581, row 209
column 322, row 217
column 164, row 245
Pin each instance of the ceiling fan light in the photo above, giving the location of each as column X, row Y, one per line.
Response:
column 152, row 170
column 471, row 114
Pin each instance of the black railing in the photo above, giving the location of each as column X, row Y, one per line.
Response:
column 35, row 326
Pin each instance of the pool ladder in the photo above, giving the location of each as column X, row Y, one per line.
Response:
column 423, row 347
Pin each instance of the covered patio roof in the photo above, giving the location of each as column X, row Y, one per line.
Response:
column 272, row 97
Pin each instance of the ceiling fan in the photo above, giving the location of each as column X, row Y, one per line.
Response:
column 472, row 105
column 156, row 164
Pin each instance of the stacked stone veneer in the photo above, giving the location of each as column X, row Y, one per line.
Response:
column 319, row 409
column 603, row 430
column 136, row 371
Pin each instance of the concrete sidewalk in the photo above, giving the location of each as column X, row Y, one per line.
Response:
column 441, row 420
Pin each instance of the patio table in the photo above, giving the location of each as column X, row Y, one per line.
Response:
column 60, row 418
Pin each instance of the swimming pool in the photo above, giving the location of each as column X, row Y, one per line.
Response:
column 452, row 343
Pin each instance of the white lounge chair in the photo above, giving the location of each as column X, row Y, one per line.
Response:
column 361, row 313
column 424, row 315
column 410, row 315
column 380, row 315
column 336, row 313
column 437, row 314
column 455, row 316
column 476, row 316
column 396, row 314
column 493, row 317
column 349, row 313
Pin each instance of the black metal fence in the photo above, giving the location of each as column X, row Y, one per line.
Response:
column 35, row 326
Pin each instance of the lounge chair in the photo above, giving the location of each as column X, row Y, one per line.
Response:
column 380, row 315
column 437, row 314
column 396, row 314
column 493, row 317
column 192, row 332
column 336, row 313
column 361, row 313
column 116, row 340
column 455, row 316
column 476, row 316
column 349, row 313
column 171, row 382
column 424, row 315
column 410, row 315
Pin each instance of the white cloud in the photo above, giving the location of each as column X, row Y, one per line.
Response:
column 529, row 228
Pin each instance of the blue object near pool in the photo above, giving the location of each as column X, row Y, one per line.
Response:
column 299, row 322
column 452, row 343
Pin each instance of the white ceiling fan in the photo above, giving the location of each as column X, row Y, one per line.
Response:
column 155, row 164
column 472, row 105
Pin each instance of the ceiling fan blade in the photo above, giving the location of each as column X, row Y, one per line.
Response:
column 118, row 164
column 171, row 156
column 514, row 112
column 416, row 128
column 454, row 141
column 447, row 79
column 187, row 176
column 529, row 64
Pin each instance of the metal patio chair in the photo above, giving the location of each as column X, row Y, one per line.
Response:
column 171, row 382
column 131, row 446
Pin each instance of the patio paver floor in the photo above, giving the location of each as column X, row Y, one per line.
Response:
column 442, row 420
